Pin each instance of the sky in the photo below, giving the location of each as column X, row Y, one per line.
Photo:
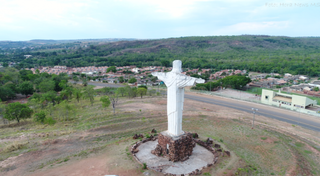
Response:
column 22, row 20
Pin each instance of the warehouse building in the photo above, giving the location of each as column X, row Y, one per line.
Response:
column 286, row 100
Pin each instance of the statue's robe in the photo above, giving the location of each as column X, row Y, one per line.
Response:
column 175, row 83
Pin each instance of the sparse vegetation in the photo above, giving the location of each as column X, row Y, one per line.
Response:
column 91, row 130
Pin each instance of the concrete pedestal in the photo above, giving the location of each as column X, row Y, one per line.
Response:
column 177, row 148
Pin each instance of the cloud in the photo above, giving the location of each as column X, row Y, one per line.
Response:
column 43, row 11
column 266, row 27
column 71, row 19
column 259, row 26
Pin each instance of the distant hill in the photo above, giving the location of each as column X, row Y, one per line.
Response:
column 297, row 55
column 36, row 42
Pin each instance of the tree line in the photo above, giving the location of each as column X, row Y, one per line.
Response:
column 234, row 81
column 55, row 99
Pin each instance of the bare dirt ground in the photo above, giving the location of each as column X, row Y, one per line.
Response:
column 239, row 94
column 20, row 98
column 100, row 146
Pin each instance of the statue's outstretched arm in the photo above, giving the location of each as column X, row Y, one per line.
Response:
column 188, row 81
column 200, row 80
column 160, row 75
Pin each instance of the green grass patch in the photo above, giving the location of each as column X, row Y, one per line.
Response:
column 299, row 144
column 307, row 152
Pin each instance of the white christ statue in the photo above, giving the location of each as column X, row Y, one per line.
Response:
column 175, row 82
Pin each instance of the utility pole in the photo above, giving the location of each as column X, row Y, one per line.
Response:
column 254, row 113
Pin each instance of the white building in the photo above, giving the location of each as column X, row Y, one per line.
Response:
column 286, row 100
column 135, row 70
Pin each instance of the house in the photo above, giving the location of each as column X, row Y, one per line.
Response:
column 287, row 75
column 27, row 56
column 303, row 78
column 281, row 82
column 135, row 70
column 111, row 80
column 286, row 100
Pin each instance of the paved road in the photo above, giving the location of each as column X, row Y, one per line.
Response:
column 267, row 111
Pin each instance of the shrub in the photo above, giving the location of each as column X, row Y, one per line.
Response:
column 50, row 121
column 144, row 166
column 40, row 117
column 143, row 86
column 263, row 138
column 307, row 152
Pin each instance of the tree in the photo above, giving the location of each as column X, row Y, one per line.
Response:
column 50, row 96
column 316, row 89
column 67, row 108
column 114, row 101
column 112, row 68
column 26, row 88
column 17, row 111
column 77, row 94
column 165, row 63
column 46, row 86
column 84, row 82
column 12, row 86
column 132, row 80
column 154, row 79
column 63, row 84
column 121, row 90
column 60, row 81
column 24, row 74
column 75, row 79
column 89, row 94
column 105, row 101
column 35, row 102
column 6, row 93
column 106, row 90
column 64, row 94
column 131, row 92
column 2, row 110
column 141, row 91
column 40, row 117
column 121, row 79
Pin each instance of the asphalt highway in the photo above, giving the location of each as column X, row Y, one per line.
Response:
column 267, row 111
column 263, row 110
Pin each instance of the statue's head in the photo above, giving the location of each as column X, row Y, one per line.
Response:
column 176, row 66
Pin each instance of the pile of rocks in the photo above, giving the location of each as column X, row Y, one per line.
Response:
column 208, row 144
column 136, row 136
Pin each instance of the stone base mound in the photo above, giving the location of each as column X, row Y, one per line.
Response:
column 174, row 148
column 200, row 158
